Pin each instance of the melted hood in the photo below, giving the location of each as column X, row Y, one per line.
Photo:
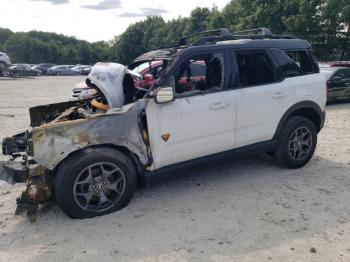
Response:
column 108, row 78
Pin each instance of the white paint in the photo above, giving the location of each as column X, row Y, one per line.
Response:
column 206, row 124
column 198, row 126
column 108, row 78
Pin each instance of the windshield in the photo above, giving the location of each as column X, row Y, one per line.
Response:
column 146, row 67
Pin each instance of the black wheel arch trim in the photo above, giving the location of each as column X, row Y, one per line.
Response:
column 298, row 106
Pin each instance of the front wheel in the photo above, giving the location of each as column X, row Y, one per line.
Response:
column 296, row 142
column 94, row 182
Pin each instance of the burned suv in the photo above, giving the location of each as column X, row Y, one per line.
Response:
column 260, row 92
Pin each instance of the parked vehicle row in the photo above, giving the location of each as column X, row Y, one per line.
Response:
column 48, row 69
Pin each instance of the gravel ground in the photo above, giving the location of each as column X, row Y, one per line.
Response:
column 238, row 210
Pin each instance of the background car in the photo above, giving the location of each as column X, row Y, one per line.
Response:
column 62, row 70
column 23, row 70
column 338, row 83
column 335, row 64
column 43, row 67
column 80, row 69
column 86, row 71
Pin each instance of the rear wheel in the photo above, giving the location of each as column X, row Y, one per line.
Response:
column 296, row 143
column 94, row 182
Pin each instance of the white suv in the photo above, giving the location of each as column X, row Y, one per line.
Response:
column 259, row 94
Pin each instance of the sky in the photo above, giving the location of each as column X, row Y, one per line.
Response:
column 91, row 20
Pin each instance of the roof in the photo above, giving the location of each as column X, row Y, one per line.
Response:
column 262, row 38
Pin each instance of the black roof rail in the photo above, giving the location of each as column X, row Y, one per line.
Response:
column 258, row 33
column 224, row 33
column 263, row 31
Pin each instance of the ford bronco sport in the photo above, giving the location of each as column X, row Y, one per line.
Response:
column 261, row 92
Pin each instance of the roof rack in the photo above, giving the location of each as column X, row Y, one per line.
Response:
column 259, row 33
column 225, row 34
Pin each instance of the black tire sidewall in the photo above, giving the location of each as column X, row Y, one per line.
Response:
column 70, row 169
column 282, row 152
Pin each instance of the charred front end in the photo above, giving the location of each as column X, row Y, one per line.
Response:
column 60, row 130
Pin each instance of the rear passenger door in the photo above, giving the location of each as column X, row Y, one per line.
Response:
column 262, row 96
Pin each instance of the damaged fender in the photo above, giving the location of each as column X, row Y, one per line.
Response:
column 52, row 143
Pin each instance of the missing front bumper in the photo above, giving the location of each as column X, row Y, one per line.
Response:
column 38, row 182
column 13, row 172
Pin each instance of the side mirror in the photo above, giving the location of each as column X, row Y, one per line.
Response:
column 164, row 95
column 337, row 79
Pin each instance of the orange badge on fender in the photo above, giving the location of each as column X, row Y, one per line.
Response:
column 165, row 137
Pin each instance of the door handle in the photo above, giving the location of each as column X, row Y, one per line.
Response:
column 279, row 95
column 218, row 105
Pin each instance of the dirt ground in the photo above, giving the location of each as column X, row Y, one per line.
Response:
column 245, row 209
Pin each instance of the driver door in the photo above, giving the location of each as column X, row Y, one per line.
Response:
column 199, row 122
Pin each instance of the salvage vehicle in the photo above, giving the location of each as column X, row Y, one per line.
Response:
column 90, row 155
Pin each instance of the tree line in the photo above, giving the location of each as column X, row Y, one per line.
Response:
column 325, row 23
column 39, row 47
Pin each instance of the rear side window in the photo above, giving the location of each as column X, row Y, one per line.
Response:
column 254, row 68
column 294, row 63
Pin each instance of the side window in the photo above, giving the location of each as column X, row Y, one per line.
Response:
column 288, row 66
column 198, row 74
column 254, row 68
column 303, row 60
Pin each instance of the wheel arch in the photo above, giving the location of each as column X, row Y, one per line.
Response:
column 307, row 109
column 139, row 167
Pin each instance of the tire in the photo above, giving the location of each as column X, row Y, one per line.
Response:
column 78, row 179
column 296, row 142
